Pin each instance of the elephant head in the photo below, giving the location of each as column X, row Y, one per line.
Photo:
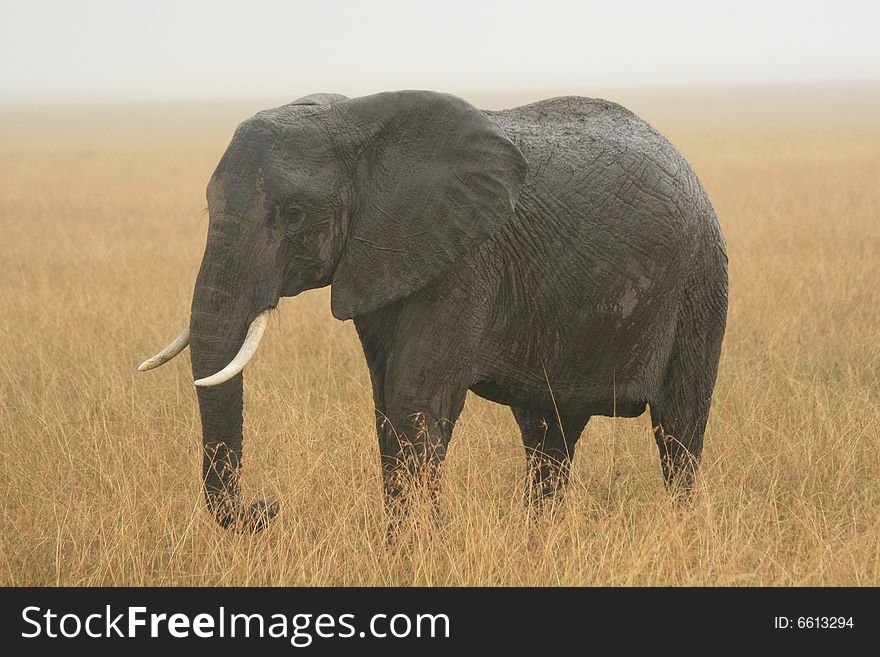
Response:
column 375, row 195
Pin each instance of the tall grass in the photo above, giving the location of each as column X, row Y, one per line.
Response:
column 101, row 232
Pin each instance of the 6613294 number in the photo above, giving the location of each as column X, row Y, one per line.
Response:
column 813, row 622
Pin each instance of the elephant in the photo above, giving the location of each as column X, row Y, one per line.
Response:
column 560, row 258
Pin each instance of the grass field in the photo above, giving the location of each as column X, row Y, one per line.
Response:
column 101, row 233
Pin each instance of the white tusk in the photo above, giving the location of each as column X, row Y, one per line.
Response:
column 177, row 345
column 247, row 351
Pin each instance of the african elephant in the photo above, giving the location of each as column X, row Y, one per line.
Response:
column 560, row 258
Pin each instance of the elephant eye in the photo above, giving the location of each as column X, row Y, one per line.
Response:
column 292, row 214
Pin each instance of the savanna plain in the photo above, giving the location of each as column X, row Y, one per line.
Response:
column 102, row 227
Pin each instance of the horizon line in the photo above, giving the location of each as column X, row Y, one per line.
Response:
column 172, row 99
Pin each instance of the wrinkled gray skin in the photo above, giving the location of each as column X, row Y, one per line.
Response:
column 560, row 258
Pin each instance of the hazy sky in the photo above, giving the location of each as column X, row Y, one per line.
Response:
column 55, row 51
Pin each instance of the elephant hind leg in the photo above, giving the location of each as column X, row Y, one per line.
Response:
column 678, row 430
column 681, row 410
column 549, row 441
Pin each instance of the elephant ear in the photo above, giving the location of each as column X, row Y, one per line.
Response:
column 434, row 177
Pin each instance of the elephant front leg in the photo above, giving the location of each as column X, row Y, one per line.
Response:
column 413, row 439
column 411, row 452
column 549, row 442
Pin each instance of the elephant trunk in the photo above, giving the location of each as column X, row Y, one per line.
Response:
column 218, row 324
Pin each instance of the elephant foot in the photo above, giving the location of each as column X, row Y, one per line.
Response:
column 543, row 500
column 230, row 513
column 256, row 517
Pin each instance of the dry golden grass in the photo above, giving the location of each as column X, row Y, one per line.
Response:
column 102, row 231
